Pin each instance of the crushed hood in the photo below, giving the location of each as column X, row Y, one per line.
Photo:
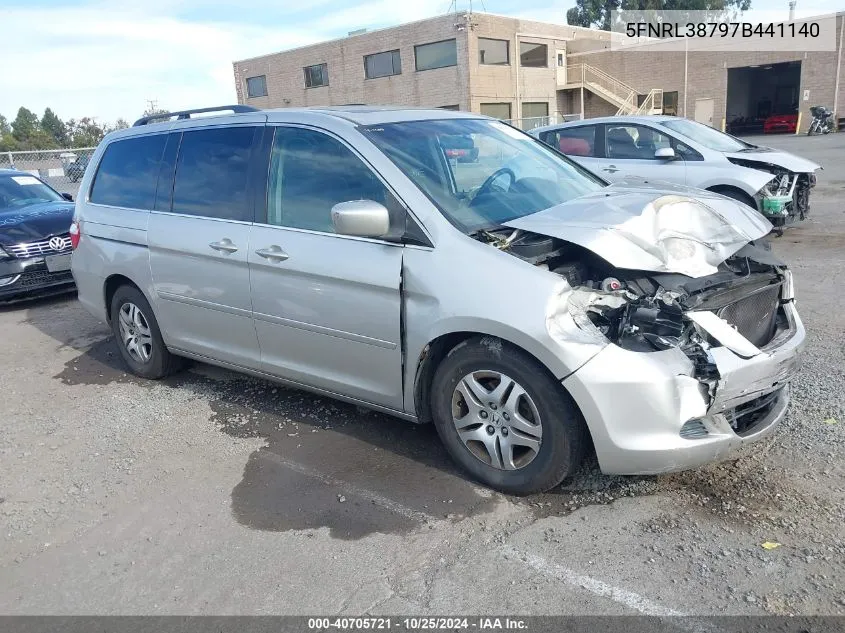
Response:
column 634, row 226
column 35, row 222
column 776, row 157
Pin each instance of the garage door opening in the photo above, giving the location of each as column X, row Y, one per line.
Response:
column 763, row 99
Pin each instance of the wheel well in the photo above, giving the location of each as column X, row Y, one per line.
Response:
column 734, row 192
column 431, row 357
column 112, row 284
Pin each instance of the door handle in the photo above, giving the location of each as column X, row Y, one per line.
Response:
column 273, row 253
column 225, row 245
column 611, row 169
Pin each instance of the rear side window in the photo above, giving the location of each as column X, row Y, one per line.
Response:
column 128, row 173
column 212, row 173
column 573, row 141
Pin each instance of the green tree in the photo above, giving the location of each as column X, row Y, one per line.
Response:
column 54, row 126
column 596, row 13
column 120, row 124
column 7, row 141
column 25, row 125
column 85, row 132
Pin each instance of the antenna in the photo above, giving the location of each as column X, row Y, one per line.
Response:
column 454, row 8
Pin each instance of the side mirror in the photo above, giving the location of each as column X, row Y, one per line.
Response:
column 68, row 197
column 361, row 218
column 665, row 153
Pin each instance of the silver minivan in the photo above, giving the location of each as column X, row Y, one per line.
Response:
column 530, row 310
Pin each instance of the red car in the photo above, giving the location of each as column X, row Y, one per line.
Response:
column 780, row 123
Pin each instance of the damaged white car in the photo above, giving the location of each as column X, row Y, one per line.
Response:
column 689, row 153
column 528, row 309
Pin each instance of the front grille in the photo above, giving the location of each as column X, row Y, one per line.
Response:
column 745, row 417
column 754, row 315
column 42, row 247
column 41, row 277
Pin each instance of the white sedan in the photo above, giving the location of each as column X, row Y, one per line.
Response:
column 681, row 151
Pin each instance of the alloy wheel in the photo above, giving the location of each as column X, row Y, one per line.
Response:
column 496, row 420
column 135, row 332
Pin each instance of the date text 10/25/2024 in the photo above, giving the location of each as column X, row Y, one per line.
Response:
column 417, row 624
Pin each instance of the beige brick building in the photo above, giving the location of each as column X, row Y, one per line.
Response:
column 526, row 70
column 503, row 85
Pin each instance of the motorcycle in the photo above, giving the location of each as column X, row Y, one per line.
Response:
column 822, row 122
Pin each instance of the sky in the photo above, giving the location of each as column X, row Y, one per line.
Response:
column 107, row 58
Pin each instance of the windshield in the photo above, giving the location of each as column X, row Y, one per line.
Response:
column 24, row 190
column 481, row 173
column 707, row 136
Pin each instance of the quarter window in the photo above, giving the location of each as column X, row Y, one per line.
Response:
column 310, row 172
column 316, row 76
column 212, row 171
column 493, row 52
column 436, row 55
column 382, row 65
column 533, row 55
column 574, row 141
column 128, row 173
column 256, row 86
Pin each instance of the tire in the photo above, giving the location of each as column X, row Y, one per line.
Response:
column 737, row 195
column 151, row 359
column 562, row 433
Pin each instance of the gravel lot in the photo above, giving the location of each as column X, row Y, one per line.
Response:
column 211, row 493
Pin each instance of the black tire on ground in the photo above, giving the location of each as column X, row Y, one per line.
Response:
column 161, row 362
column 564, row 433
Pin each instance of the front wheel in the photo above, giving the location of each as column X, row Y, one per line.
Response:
column 504, row 419
column 138, row 336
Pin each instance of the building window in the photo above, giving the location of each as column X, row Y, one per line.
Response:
column 436, row 55
column 493, row 52
column 535, row 110
column 316, row 76
column 533, row 55
column 670, row 103
column 497, row 110
column 256, row 86
column 382, row 65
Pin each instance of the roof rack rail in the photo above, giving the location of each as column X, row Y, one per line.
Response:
column 181, row 115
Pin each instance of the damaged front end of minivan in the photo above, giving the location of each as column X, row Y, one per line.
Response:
column 694, row 316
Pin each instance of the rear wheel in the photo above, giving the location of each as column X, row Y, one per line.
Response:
column 138, row 336
column 505, row 419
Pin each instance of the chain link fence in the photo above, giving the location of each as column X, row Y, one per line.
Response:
column 62, row 169
column 539, row 121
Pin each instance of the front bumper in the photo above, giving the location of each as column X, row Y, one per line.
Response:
column 647, row 415
column 29, row 278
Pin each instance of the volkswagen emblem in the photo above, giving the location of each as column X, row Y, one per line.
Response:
column 57, row 243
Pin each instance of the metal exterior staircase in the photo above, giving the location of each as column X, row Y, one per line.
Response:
column 612, row 90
